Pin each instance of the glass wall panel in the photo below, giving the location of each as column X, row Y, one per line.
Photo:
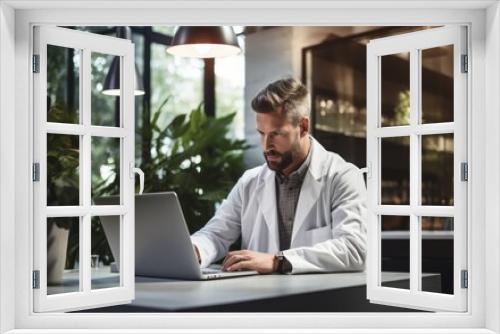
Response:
column 437, row 170
column 63, row 84
column 63, row 251
column 105, row 89
column 395, row 247
column 437, row 84
column 105, row 252
column 395, row 89
column 437, row 254
column 395, row 170
column 63, row 170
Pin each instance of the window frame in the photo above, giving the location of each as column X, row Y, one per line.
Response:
column 414, row 43
column 86, row 131
column 17, row 18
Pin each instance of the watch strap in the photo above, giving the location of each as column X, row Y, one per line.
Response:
column 284, row 266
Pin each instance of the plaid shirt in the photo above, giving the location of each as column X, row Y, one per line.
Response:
column 287, row 196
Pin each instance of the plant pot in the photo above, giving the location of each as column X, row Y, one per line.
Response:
column 57, row 245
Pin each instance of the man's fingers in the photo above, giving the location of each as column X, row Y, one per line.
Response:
column 247, row 264
column 230, row 260
column 228, row 256
column 233, row 253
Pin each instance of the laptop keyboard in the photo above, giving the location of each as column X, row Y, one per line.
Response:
column 210, row 270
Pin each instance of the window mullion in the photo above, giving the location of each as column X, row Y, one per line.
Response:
column 81, row 225
column 85, row 238
column 419, row 129
column 414, row 170
column 392, row 210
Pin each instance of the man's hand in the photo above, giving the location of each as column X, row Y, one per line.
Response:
column 263, row 263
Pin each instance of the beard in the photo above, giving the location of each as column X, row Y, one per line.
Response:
column 278, row 161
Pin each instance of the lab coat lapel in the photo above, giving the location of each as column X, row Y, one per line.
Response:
column 266, row 196
column 311, row 187
column 309, row 194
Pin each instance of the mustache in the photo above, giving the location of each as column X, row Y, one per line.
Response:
column 272, row 153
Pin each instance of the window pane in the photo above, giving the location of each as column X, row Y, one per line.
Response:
column 63, row 84
column 105, row 252
column 437, row 254
column 437, row 169
column 63, row 269
column 105, row 167
column 105, row 90
column 395, row 170
column 395, row 249
column 63, row 170
column 437, row 84
column 395, row 89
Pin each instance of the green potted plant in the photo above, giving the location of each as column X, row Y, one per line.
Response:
column 193, row 156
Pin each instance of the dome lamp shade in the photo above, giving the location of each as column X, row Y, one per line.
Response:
column 204, row 42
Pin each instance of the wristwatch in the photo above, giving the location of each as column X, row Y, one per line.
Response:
column 284, row 266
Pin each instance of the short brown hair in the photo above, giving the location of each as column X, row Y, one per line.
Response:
column 290, row 94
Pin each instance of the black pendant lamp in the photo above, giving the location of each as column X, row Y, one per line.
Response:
column 112, row 81
column 204, row 42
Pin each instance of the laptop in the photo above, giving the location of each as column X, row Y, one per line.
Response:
column 163, row 246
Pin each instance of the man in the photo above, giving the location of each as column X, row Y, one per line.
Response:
column 301, row 211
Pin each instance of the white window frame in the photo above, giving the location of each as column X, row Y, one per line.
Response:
column 87, row 43
column 413, row 43
column 16, row 20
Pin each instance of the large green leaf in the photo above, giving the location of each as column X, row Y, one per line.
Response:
column 196, row 159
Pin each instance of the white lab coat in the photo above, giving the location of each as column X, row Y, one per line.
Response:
column 329, row 230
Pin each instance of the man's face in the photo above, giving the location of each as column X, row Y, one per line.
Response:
column 280, row 139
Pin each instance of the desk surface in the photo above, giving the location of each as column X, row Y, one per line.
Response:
column 331, row 292
column 345, row 291
column 178, row 295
